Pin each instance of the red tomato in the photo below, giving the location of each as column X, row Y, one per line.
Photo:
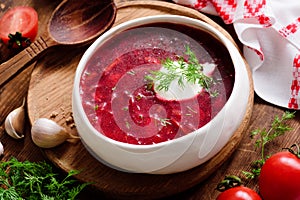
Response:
column 239, row 193
column 280, row 177
column 21, row 19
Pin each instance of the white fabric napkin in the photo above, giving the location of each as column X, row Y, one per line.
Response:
column 270, row 33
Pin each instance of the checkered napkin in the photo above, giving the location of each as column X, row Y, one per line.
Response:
column 270, row 33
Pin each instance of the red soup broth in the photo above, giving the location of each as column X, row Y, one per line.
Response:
column 121, row 104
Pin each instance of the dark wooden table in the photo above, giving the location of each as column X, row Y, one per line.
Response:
column 13, row 92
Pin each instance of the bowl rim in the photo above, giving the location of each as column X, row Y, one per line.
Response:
column 169, row 18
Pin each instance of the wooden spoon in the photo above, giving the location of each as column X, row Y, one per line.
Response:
column 73, row 22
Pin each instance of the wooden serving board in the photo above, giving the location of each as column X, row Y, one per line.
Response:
column 50, row 94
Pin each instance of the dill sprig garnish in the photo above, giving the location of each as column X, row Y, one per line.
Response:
column 180, row 69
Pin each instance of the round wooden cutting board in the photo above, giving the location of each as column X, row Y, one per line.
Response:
column 50, row 94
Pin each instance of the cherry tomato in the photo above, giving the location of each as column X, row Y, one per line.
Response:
column 280, row 177
column 239, row 193
column 22, row 19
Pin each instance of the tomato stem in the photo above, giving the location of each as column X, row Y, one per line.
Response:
column 297, row 152
column 18, row 39
column 229, row 182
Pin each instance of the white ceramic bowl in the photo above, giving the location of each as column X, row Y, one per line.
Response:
column 175, row 155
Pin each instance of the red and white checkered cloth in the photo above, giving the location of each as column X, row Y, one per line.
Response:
column 270, row 32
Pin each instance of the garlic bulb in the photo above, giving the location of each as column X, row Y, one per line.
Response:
column 46, row 133
column 14, row 122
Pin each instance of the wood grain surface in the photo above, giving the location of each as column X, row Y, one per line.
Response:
column 97, row 21
column 16, row 89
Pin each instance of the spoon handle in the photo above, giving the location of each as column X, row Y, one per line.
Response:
column 24, row 58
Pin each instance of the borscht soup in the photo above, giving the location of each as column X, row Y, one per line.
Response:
column 155, row 83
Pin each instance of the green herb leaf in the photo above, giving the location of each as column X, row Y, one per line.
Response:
column 191, row 71
column 31, row 180
column 265, row 136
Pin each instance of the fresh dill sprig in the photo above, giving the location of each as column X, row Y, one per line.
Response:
column 191, row 71
column 36, row 180
column 277, row 129
column 264, row 136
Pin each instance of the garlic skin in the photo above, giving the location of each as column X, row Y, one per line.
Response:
column 15, row 121
column 46, row 133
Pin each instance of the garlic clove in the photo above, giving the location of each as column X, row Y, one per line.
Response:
column 14, row 122
column 1, row 149
column 46, row 133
